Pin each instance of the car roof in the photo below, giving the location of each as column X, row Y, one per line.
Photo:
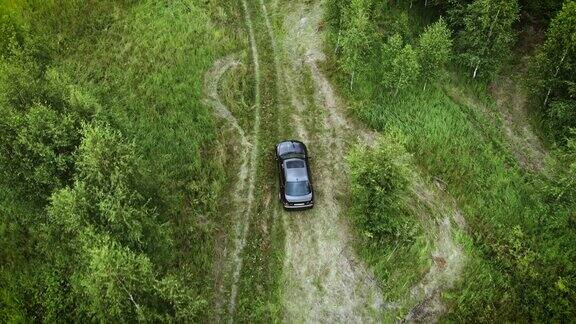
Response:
column 295, row 170
column 291, row 146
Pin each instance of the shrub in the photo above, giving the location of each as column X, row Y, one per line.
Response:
column 435, row 49
column 41, row 130
column 401, row 67
column 560, row 117
column 380, row 180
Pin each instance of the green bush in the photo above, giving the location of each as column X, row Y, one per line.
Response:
column 434, row 50
column 560, row 117
column 41, row 131
column 552, row 80
column 116, row 244
column 380, row 179
column 400, row 66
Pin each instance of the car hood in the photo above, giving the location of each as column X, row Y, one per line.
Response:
column 299, row 199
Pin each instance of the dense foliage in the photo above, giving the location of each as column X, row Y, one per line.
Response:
column 384, row 218
column 554, row 73
column 484, row 33
column 380, row 179
column 107, row 210
column 109, row 179
column 434, row 51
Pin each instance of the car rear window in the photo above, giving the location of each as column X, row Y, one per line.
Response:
column 300, row 188
column 294, row 164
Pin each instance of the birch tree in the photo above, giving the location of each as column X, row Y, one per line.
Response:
column 555, row 61
column 487, row 34
column 434, row 50
column 400, row 64
column 554, row 71
column 355, row 36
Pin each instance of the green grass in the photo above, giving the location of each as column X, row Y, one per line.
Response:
column 259, row 294
column 147, row 70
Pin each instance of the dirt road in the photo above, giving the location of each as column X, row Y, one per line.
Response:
column 322, row 280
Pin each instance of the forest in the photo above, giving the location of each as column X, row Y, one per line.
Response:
column 137, row 181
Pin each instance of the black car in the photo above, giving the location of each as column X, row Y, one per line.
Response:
column 295, row 181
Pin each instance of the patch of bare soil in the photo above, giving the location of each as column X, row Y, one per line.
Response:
column 448, row 258
column 511, row 99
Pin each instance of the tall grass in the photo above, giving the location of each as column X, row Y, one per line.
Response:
column 143, row 63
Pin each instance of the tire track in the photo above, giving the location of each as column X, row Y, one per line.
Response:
column 212, row 98
column 241, row 228
column 325, row 282
column 448, row 257
column 282, row 82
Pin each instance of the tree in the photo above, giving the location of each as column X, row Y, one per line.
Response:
column 486, row 35
column 42, row 150
column 107, row 195
column 541, row 9
column 355, row 36
column 401, row 67
column 116, row 283
column 555, row 62
column 380, row 181
column 554, row 70
column 113, row 239
column 435, row 49
column 40, row 126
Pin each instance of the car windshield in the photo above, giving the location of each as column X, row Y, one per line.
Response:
column 300, row 188
column 292, row 155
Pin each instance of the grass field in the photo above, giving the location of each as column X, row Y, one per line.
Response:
column 137, row 179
